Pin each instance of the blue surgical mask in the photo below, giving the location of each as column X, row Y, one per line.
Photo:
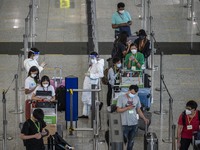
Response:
column 119, row 65
column 131, row 95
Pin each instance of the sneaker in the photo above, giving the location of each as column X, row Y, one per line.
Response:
column 83, row 116
column 109, row 109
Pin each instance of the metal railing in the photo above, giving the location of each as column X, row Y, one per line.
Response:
column 30, row 27
column 95, row 120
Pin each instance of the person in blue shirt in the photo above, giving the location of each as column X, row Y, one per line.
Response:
column 121, row 20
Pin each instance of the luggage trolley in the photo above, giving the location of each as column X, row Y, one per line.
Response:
column 128, row 78
column 50, row 115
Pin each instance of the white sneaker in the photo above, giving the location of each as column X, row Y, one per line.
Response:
column 109, row 109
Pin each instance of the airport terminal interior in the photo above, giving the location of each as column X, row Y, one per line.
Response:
column 61, row 35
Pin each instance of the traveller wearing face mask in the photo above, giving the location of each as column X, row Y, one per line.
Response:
column 31, row 81
column 129, row 106
column 92, row 76
column 44, row 86
column 32, row 60
column 188, row 123
column 121, row 20
column 134, row 59
column 114, row 78
column 143, row 45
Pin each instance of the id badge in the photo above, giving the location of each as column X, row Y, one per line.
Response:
column 130, row 111
column 133, row 68
column 189, row 127
column 117, row 81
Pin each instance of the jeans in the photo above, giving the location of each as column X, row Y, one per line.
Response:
column 129, row 133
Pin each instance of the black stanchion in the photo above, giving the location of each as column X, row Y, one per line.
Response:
column 169, row 139
column 161, row 111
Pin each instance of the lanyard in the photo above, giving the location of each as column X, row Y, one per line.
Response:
column 121, row 16
column 190, row 119
column 44, row 89
column 37, row 126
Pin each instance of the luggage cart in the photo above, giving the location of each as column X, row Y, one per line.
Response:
column 50, row 116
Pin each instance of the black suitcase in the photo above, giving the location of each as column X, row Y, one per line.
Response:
column 150, row 140
column 196, row 140
column 56, row 142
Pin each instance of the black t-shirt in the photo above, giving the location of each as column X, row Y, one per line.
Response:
column 31, row 128
column 118, row 50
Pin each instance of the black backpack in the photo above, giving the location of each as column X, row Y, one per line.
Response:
column 183, row 117
column 61, row 98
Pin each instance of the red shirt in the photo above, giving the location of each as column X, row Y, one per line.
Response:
column 189, row 121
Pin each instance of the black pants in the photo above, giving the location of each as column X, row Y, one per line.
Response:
column 109, row 95
column 185, row 143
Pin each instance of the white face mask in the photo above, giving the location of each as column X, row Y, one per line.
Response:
column 93, row 61
column 134, row 51
column 131, row 95
column 188, row 112
column 36, row 57
column 119, row 65
column 45, row 85
column 33, row 75
column 121, row 11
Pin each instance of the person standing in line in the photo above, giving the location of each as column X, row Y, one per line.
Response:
column 32, row 60
column 31, row 81
column 134, row 60
column 94, row 73
column 113, row 79
column 33, row 131
column 129, row 106
column 44, row 86
column 188, row 123
column 121, row 20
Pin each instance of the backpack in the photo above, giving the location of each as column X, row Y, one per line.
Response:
column 183, row 117
column 60, row 97
column 104, row 79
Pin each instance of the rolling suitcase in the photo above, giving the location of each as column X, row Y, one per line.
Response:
column 56, row 142
column 141, row 123
column 57, row 81
column 196, row 140
column 145, row 97
column 150, row 140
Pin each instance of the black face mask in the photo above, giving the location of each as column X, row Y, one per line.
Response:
column 142, row 37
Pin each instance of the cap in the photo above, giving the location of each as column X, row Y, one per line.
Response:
column 142, row 32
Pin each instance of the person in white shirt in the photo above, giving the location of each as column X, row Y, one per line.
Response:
column 44, row 86
column 32, row 59
column 94, row 73
column 31, row 81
